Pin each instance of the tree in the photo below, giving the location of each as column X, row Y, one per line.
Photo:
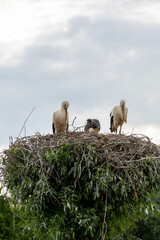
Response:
column 81, row 185
column 6, row 220
column 149, row 226
column 11, row 225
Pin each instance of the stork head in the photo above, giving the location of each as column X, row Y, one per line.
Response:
column 122, row 103
column 96, row 123
column 113, row 128
column 88, row 124
column 89, row 120
column 65, row 105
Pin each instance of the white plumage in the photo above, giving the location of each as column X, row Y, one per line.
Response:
column 118, row 116
column 61, row 119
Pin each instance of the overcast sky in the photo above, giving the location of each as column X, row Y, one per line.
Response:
column 90, row 52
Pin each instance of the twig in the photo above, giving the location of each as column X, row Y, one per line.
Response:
column 72, row 124
column 13, row 213
column 75, row 128
column 25, row 122
column 130, row 179
column 10, row 141
column 105, row 213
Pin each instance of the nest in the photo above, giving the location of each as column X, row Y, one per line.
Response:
column 113, row 148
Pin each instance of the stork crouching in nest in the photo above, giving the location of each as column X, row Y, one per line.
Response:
column 118, row 116
column 61, row 119
column 92, row 125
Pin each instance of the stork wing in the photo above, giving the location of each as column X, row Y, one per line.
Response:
column 53, row 128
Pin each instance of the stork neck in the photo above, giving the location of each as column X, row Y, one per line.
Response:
column 65, row 113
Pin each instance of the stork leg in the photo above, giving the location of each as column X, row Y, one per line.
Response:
column 120, row 129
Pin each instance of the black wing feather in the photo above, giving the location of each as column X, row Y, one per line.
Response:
column 53, row 128
column 67, row 127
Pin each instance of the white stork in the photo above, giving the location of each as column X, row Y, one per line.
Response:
column 118, row 116
column 60, row 119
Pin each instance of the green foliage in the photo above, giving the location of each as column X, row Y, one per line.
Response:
column 73, row 193
column 6, row 220
column 11, row 225
column 148, row 227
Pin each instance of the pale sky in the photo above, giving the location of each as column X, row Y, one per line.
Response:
column 90, row 52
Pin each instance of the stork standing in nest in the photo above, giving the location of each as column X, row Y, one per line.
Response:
column 60, row 119
column 92, row 125
column 118, row 116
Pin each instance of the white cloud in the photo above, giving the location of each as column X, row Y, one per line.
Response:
column 141, row 11
column 62, row 65
column 131, row 54
column 22, row 21
column 8, row 91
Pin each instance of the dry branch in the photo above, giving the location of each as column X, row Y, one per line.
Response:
column 119, row 150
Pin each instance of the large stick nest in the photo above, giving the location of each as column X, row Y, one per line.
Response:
column 113, row 148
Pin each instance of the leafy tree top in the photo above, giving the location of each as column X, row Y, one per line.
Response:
column 82, row 185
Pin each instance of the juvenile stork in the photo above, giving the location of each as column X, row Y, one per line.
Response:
column 61, row 119
column 118, row 116
column 92, row 125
